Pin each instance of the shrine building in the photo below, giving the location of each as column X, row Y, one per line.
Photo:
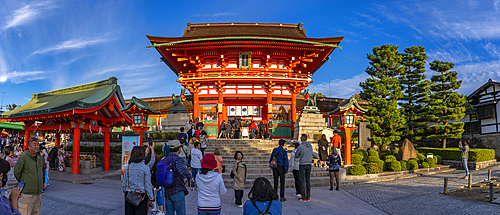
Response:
column 247, row 71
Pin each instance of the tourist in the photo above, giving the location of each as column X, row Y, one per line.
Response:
column 175, row 196
column 210, row 187
column 182, row 136
column 270, row 128
column 12, row 159
column 61, row 155
column 263, row 199
column 8, row 205
column 29, row 169
column 199, row 125
column 203, row 141
column 228, row 130
column 281, row 170
column 337, row 142
column 196, row 157
column 253, row 129
column 46, row 167
column 333, row 161
column 262, row 129
column 323, row 150
column 240, row 177
column 137, row 178
column 465, row 155
column 222, row 129
column 220, row 162
column 191, row 133
column 237, row 129
column 184, row 153
column 166, row 147
column 188, row 126
column 304, row 153
column 53, row 157
column 154, row 180
column 294, row 165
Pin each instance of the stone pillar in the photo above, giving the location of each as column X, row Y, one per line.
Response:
column 75, row 167
column 57, row 140
column 26, row 137
column 106, row 150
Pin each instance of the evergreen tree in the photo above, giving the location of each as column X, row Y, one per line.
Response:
column 382, row 90
column 445, row 103
column 415, row 94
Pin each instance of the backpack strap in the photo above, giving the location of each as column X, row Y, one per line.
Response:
column 267, row 208
column 253, row 203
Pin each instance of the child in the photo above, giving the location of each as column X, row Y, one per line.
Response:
column 333, row 162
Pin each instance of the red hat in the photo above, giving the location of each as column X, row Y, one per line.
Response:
column 209, row 162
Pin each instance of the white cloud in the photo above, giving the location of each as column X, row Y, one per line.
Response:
column 454, row 52
column 72, row 44
column 122, row 68
column 341, row 88
column 214, row 15
column 473, row 75
column 492, row 49
column 21, row 77
column 27, row 14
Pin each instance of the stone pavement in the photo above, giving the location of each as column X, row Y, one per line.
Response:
column 420, row 195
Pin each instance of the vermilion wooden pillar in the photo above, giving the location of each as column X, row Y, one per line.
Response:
column 75, row 167
column 294, row 112
column 57, row 140
column 106, row 150
column 196, row 107
column 347, row 146
column 26, row 137
column 220, row 103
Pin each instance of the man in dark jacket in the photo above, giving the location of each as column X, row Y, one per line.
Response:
column 281, row 168
column 270, row 128
column 237, row 127
column 28, row 168
column 222, row 128
column 262, row 129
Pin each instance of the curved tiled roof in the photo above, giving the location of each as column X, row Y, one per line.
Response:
column 244, row 29
column 140, row 104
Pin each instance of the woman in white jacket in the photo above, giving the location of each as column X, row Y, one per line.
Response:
column 210, row 187
column 294, row 165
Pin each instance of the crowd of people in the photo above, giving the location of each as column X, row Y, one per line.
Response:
column 255, row 130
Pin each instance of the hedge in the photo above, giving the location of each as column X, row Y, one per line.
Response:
column 404, row 165
column 475, row 155
column 412, row 165
column 356, row 159
column 394, row 166
column 373, row 159
column 421, row 157
column 357, row 170
column 389, row 158
column 425, row 165
column 361, row 152
column 372, row 168
column 439, row 159
column 383, row 153
column 395, row 152
column 372, row 153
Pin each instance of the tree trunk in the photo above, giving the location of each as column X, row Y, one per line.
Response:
column 444, row 143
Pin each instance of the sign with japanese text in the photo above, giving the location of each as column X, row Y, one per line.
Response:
column 128, row 142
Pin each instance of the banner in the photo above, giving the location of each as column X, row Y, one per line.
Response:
column 128, row 142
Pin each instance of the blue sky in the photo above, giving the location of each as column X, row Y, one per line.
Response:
column 47, row 45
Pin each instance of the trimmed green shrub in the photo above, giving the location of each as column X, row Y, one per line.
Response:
column 383, row 153
column 372, row 153
column 373, row 159
column 357, row 170
column 381, row 163
column 435, row 159
column 356, row 159
column 439, row 159
column 394, row 166
column 425, row 165
column 361, row 152
column 404, row 165
column 373, row 168
column 421, row 157
column 475, row 155
column 429, row 160
column 389, row 158
column 412, row 165
column 395, row 152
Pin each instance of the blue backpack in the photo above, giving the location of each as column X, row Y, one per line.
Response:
column 165, row 172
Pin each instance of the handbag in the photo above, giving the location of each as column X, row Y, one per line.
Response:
column 274, row 160
column 265, row 211
column 232, row 172
column 135, row 198
column 223, row 166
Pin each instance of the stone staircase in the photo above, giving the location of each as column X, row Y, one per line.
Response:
column 256, row 154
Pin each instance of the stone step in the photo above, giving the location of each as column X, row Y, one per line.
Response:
column 289, row 182
column 268, row 170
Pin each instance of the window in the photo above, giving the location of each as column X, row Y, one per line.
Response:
column 145, row 120
column 208, row 113
column 282, row 113
column 137, row 119
column 486, row 112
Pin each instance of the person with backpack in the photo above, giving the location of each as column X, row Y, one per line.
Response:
column 196, row 157
column 270, row 128
column 203, row 141
column 173, row 182
column 220, row 162
column 137, row 179
column 210, row 187
column 333, row 161
column 154, row 180
column 279, row 165
column 239, row 174
column 166, row 148
column 184, row 153
column 263, row 199
column 304, row 153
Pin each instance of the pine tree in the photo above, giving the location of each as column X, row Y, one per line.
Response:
column 382, row 90
column 415, row 94
column 445, row 103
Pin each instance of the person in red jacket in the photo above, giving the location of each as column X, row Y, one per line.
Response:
column 253, row 129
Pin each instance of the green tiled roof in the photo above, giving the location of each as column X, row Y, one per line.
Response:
column 84, row 96
column 140, row 104
column 12, row 125
column 346, row 104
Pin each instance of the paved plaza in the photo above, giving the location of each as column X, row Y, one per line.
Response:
column 418, row 195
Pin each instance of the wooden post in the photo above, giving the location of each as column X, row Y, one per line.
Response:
column 470, row 181
column 489, row 174
column 492, row 194
column 26, row 137
column 75, row 167
column 106, row 150
column 445, row 191
column 57, row 140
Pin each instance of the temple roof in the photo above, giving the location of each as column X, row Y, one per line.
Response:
column 84, row 96
column 140, row 104
column 244, row 29
column 346, row 104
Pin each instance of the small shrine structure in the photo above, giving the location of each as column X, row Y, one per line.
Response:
column 245, row 71
column 139, row 110
column 346, row 115
column 94, row 107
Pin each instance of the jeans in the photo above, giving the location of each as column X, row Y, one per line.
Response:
column 184, row 162
column 209, row 212
column 296, row 177
column 175, row 202
column 194, row 171
column 238, row 195
column 160, row 196
column 142, row 208
column 464, row 162
column 305, row 180
column 279, row 172
column 253, row 130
